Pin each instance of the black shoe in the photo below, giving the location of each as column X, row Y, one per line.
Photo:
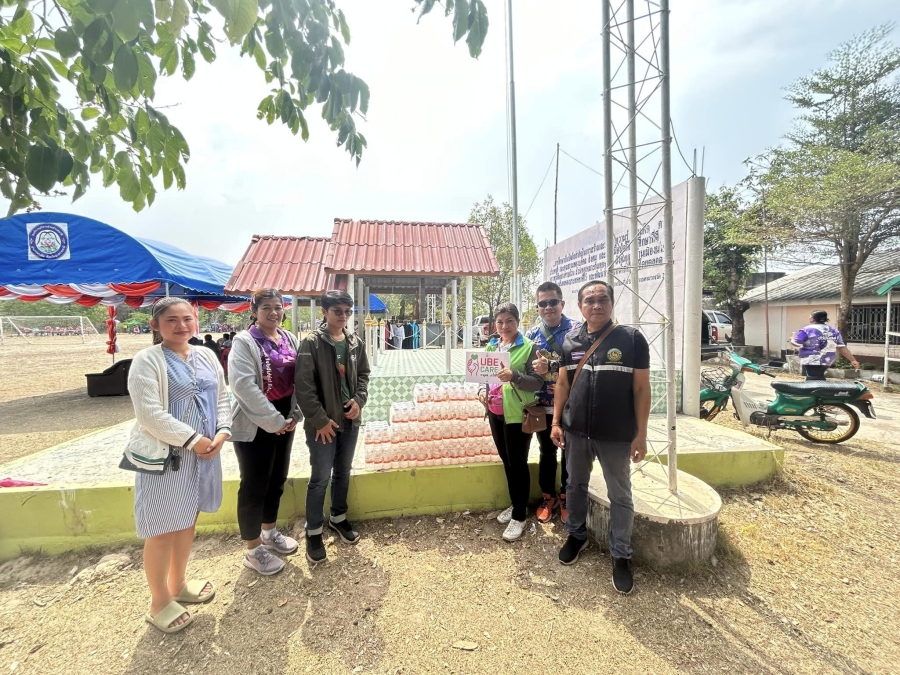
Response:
column 345, row 531
column 315, row 549
column 568, row 554
column 622, row 579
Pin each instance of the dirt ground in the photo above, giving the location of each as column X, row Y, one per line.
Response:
column 805, row 580
column 43, row 398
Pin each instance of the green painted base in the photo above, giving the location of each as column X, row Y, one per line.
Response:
column 730, row 469
column 53, row 520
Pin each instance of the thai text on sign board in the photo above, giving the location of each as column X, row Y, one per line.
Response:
column 482, row 366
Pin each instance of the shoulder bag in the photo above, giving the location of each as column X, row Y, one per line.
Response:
column 589, row 352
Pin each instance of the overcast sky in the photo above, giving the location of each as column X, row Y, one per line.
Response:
column 437, row 119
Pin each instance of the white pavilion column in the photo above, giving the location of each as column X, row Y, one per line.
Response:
column 470, row 319
column 360, row 307
column 454, row 313
column 351, row 289
column 443, row 316
column 313, row 319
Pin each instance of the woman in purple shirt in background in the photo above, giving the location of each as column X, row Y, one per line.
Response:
column 819, row 344
column 261, row 372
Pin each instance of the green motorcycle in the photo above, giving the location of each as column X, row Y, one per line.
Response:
column 817, row 410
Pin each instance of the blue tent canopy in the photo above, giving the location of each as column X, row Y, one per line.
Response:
column 375, row 304
column 61, row 248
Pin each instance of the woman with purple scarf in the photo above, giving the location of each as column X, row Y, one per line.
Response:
column 261, row 372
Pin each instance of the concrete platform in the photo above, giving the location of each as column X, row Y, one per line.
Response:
column 89, row 501
column 669, row 529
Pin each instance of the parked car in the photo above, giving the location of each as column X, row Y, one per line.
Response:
column 719, row 326
column 481, row 330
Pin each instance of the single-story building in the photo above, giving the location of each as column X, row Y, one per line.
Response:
column 794, row 296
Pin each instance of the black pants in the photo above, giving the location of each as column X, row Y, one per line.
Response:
column 814, row 372
column 548, row 463
column 512, row 446
column 264, row 464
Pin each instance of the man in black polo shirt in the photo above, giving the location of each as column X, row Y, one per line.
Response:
column 601, row 412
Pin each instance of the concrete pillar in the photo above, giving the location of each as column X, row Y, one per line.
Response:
column 454, row 312
column 692, row 314
column 443, row 315
column 313, row 319
column 294, row 327
column 360, row 301
column 448, row 345
column 351, row 289
column 470, row 319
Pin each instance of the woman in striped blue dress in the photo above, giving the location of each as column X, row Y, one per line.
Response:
column 179, row 393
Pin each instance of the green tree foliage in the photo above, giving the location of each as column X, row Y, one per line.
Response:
column 729, row 253
column 488, row 292
column 78, row 80
column 838, row 180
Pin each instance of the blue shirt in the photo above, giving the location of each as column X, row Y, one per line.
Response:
column 536, row 335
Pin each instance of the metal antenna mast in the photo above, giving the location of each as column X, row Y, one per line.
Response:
column 637, row 149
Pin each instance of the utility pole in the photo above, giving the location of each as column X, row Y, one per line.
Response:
column 515, row 182
column 555, row 194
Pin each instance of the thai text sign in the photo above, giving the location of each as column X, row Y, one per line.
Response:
column 482, row 366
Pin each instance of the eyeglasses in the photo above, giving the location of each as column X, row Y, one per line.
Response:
column 553, row 302
column 602, row 300
column 342, row 312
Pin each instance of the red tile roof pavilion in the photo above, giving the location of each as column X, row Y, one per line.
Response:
column 391, row 256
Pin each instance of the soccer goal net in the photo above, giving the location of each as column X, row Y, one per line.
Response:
column 32, row 328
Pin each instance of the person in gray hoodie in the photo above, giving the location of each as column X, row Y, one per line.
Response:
column 265, row 411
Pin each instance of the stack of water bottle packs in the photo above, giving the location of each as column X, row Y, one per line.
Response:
column 444, row 425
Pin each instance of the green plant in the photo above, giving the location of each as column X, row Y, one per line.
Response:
column 78, row 83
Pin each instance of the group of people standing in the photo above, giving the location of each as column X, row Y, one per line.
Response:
column 597, row 406
column 184, row 415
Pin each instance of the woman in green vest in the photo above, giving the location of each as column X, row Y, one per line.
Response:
column 505, row 403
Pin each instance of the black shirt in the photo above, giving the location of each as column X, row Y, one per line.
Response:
column 601, row 403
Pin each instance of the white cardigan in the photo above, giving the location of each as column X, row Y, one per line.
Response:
column 155, row 430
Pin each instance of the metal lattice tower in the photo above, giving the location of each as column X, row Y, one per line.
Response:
column 638, row 183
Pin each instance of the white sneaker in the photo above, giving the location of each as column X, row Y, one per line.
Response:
column 278, row 543
column 260, row 560
column 505, row 516
column 514, row 530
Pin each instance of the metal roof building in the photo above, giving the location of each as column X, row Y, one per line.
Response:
column 793, row 297
column 371, row 256
column 823, row 282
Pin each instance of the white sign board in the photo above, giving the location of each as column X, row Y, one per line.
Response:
column 482, row 366
column 582, row 257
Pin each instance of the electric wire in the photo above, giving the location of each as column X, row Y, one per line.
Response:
column 580, row 162
column 547, row 173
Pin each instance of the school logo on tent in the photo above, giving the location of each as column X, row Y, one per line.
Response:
column 48, row 241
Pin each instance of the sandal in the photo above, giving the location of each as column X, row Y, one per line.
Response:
column 170, row 613
column 192, row 590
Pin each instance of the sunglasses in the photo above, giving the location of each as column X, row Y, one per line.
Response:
column 549, row 303
column 342, row 312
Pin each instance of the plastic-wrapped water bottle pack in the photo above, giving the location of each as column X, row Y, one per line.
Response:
column 443, row 425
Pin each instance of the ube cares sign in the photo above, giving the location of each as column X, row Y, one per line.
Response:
column 482, row 366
